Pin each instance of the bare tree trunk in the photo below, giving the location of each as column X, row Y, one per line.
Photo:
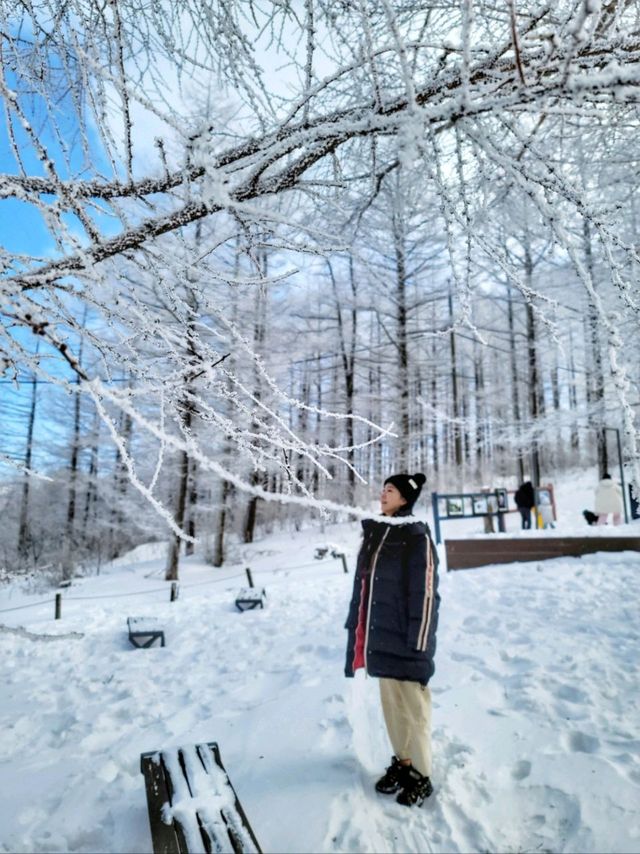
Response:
column 419, row 462
column 559, row 444
column 315, row 480
column 120, row 482
column 532, row 359
column 171, row 573
column 596, row 391
column 226, row 488
column 481, row 415
column 91, row 495
column 24, row 533
column 69, row 548
column 434, row 397
column 401, row 343
column 192, row 504
column 250, row 518
column 218, row 542
column 515, row 397
column 573, row 398
column 466, row 419
column 259, row 332
column 303, row 419
column 347, row 353
column 457, row 435
column 69, row 538
column 435, row 449
column 173, row 558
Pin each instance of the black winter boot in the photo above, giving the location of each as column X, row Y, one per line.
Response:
column 394, row 777
column 415, row 788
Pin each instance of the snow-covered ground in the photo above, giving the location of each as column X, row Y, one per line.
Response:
column 536, row 725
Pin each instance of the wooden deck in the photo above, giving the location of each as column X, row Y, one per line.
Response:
column 469, row 554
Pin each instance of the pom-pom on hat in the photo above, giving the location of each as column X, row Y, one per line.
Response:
column 408, row 485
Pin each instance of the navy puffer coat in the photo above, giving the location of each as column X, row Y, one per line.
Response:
column 399, row 615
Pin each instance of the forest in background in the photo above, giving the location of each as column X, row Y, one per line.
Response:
column 418, row 252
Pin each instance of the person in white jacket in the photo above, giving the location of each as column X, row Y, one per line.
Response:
column 608, row 500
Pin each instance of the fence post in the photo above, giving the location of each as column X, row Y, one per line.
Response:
column 249, row 577
column 174, row 591
column 344, row 562
column 58, row 606
column 436, row 516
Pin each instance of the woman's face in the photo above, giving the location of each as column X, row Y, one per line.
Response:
column 390, row 499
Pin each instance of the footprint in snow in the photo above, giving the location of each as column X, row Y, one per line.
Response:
column 520, row 640
column 634, row 776
column 439, row 689
column 521, row 769
column 569, row 693
column 554, row 817
column 466, row 658
column 336, row 734
column 309, row 651
column 516, row 662
column 580, row 742
column 458, row 752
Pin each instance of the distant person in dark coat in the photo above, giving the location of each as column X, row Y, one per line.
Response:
column 525, row 499
column 392, row 633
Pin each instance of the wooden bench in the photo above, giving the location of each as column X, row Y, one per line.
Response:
column 250, row 597
column 144, row 632
column 192, row 804
column 322, row 551
column 467, row 554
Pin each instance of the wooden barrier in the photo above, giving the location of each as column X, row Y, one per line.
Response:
column 471, row 553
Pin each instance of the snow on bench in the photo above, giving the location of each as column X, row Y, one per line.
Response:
column 144, row 631
column 321, row 551
column 249, row 598
column 336, row 552
column 192, row 805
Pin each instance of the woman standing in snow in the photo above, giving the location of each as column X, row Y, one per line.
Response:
column 608, row 500
column 392, row 633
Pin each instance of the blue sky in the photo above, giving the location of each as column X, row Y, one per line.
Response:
column 24, row 232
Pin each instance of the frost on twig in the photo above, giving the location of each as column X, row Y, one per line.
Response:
column 471, row 101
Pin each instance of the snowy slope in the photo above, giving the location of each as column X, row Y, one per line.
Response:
column 536, row 719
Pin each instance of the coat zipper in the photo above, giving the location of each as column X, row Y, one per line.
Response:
column 371, row 580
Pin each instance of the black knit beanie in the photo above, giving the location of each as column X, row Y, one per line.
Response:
column 408, row 485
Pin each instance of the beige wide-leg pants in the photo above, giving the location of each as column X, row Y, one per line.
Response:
column 407, row 713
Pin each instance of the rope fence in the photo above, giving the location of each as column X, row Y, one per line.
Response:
column 174, row 587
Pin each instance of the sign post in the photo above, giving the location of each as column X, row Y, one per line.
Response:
column 487, row 504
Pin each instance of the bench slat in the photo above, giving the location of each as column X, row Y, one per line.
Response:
column 163, row 836
column 240, row 831
column 143, row 624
